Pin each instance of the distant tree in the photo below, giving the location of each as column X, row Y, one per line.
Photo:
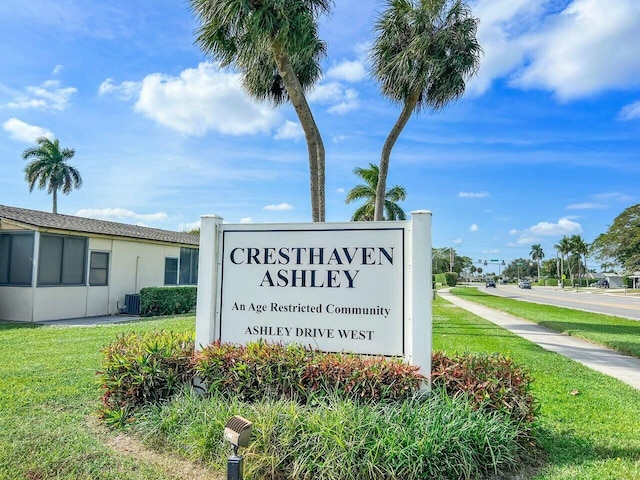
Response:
column 563, row 247
column 550, row 267
column 579, row 249
column 519, row 268
column 367, row 192
column 422, row 56
column 276, row 48
column 441, row 260
column 620, row 244
column 193, row 231
column 49, row 169
column 537, row 254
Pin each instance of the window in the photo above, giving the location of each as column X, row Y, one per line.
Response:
column 62, row 260
column 170, row 271
column 16, row 258
column 99, row 269
column 188, row 266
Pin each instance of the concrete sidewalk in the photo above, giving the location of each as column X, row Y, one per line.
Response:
column 598, row 358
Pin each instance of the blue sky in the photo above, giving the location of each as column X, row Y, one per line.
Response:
column 545, row 143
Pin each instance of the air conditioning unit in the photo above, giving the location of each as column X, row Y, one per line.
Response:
column 132, row 304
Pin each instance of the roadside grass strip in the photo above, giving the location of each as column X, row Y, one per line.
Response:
column 619, row 334
column 588, row 423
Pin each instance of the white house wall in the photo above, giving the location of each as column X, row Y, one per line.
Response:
column 54, row 303
column 15, row 303
column 135, row 265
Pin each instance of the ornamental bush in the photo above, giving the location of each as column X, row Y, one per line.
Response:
column 141, row 369
column 451, row 278
column 280, row 371
column 167, row 300
column 493, row 382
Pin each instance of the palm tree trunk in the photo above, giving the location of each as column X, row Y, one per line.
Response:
column 55, row 201
column 315, row 147
column 381, row 189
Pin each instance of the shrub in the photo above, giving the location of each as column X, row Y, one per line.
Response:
column 551, row 282
column 167, row 300
column 432, row 437
column 493, row 382
column 451, row 278
column 440, row 278
column 139, row 369
column 294, row 372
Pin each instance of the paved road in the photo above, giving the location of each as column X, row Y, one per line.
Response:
column 598, row 358
column 608, row 302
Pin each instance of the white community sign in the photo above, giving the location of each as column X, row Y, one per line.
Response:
column 361, row 287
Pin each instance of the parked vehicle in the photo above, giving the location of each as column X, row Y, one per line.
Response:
column 524, row 284
column 602, row 283
column 490, row 283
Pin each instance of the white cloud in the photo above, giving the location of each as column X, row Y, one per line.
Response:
column 613, row 196
column 340, row 190
column 341, row 99
column 24, row 132
column 564, row 226
column 348, row 70
column 57, row 69
column 121, row 215
column 474, row 228
column 573, row 48
column 585, row 206
column 589, row 47
column 457, row 241
column 339, row 138
column 473, row 194
column 187, row 227
column 204, row 99
column 125, row 91
column 281, row 207
column 289, row 131
column 246, row 220
column 630, row 112
column 48, row 96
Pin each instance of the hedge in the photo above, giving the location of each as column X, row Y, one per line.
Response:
column 167, row 300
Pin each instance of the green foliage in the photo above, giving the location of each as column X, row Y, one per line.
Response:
column 451, row 279
column 432, row 437
column 367, row 192
column 167, row 300
column 492, row 382
column 260, row 369
column 142, row 368
column 621, row 242
column 551, row 282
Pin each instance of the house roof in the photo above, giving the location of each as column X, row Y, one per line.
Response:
column 56, row 221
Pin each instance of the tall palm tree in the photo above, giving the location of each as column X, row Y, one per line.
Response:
column 367, row 192
column 422, row 56
column 537, row 254
column 49, row 169
column 276, row 47
column 564, row 247
column 580, row 249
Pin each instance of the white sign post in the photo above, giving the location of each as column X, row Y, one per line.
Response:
column 362, row 287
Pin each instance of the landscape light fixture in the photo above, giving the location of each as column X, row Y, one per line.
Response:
column 237, row 432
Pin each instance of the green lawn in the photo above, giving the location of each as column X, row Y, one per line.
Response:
column 49, row 396
column 619, row 334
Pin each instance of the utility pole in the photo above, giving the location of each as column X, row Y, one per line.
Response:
column 452, row 257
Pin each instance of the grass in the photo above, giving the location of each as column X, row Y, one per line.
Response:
column 589, row 423
column 619, row 334
column 49, row 398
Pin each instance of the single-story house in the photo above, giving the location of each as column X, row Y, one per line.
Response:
column 635, row 279
column 55, row 266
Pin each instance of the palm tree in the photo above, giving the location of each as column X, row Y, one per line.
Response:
column 423, row 55
column 276, row 48
column 564, row 247
column 367, row 192
column 537, row 254
column 49, row 169
column 580, row 249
